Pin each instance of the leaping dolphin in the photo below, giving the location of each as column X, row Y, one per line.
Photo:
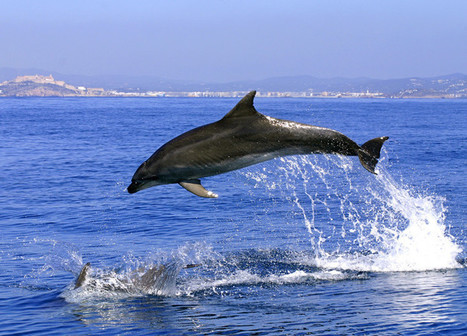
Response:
column 243, row 137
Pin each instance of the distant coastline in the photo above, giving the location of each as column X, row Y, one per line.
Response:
column 453, row 87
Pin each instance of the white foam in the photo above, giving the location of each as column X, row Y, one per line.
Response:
column 247, row 277
column 422, row 245
column 380, row 224
column 138, row 277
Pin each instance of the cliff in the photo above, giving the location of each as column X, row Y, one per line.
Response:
column 44, row 86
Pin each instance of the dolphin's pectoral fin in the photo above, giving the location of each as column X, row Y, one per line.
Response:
column 194, row 186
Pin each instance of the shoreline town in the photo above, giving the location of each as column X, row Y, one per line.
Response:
column 48, row 86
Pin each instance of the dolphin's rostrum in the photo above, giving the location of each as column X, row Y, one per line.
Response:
column 243, row 137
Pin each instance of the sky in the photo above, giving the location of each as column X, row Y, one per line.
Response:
column 223, row 41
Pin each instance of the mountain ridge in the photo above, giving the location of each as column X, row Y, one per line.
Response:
column 451, row 84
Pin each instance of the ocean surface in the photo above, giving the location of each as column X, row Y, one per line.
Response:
column 303, row 245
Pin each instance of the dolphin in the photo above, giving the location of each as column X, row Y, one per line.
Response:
column 156, row 277
column 243, row 137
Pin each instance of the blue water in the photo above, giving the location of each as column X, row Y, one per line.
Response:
column 300, row 245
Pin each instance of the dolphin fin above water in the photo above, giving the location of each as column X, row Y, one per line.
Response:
column 243, row 137
column 82, row 275
column 244, row 108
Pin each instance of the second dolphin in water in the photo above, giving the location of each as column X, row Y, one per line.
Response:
column 154, row 279
column 243, row 137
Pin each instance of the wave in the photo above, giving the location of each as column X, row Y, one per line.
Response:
column 213, row 273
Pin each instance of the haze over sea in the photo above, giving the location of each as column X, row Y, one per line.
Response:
column 299, row 245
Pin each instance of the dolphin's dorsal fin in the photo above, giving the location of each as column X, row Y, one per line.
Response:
column 244, row 108
column 194, row 186
column 82, row 275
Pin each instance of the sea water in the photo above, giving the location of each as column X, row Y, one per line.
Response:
column 298, row 245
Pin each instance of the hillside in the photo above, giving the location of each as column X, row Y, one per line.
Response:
column 42, row 86
column 449, row 86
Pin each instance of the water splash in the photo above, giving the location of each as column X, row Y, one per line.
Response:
column 258, row 267
column 152, row 279
column 358, row 221
column 155, row 274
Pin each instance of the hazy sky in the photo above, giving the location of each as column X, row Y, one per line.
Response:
column 235, row 40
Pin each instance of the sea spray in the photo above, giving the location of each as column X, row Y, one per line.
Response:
column 354, row 222
column 358, row 221
column 425, row 243
column 154, row 274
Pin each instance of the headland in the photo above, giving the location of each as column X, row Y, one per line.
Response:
column 446, row 87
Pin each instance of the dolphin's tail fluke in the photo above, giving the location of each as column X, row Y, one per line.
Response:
column 369, row 153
